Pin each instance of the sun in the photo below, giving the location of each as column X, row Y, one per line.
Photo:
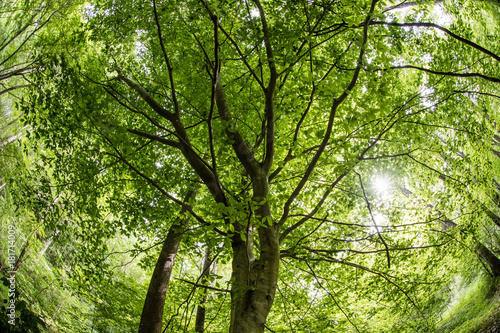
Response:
column 382, row 184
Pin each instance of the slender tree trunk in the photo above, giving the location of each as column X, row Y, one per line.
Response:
column 47, row 243
column 21, row 256
column 152, row 312
column 46, row 246
column 200, row 310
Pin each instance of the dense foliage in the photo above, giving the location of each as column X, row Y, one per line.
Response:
column 315, row 166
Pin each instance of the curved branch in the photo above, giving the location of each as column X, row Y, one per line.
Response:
column 330, row 294
column 406, row 4
column 38, row 27
column 267, row 42
column 188, row 208
column 147, row 98
column 390, row 123
column 167, row 142
column 326, row 138
column 12, row 88
column 216, row 70
column 167, row 61
column 242, row 57
column 376, row 251
column 448, row 32
column 368, row 205
column 242, row 149
column 434, row 170
column 482, row 76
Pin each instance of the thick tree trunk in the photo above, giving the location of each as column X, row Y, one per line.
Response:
column 254, row 285
column 200, row 310
column 255, row 281
column 152, row 312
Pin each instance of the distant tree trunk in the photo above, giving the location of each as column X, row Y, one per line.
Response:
column 21, row 256
column 495, row 195
column 152, row 312
column 3, row 267
column 496, row 153
column 481, row 250
column 488, row 256
column 25, row 248
column 46, row 246
column 200, row 310
column 47, row 243
column 493, row 217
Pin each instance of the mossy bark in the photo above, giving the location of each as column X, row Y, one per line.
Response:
column 255, row 280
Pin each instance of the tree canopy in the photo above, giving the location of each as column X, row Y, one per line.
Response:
column 333, row 162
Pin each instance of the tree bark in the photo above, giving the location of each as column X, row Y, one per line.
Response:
column 488, row 256
column 254, row 285
column 152, row 312
column 255, row 281
column 493, row 217
column 46, row 246
column 200, row 310
column 482, row 251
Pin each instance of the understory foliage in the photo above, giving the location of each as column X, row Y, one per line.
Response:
column 326, row 166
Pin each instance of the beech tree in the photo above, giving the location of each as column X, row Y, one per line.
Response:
column 279, row 115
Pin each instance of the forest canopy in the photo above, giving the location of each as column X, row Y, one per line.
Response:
column 247, row 166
